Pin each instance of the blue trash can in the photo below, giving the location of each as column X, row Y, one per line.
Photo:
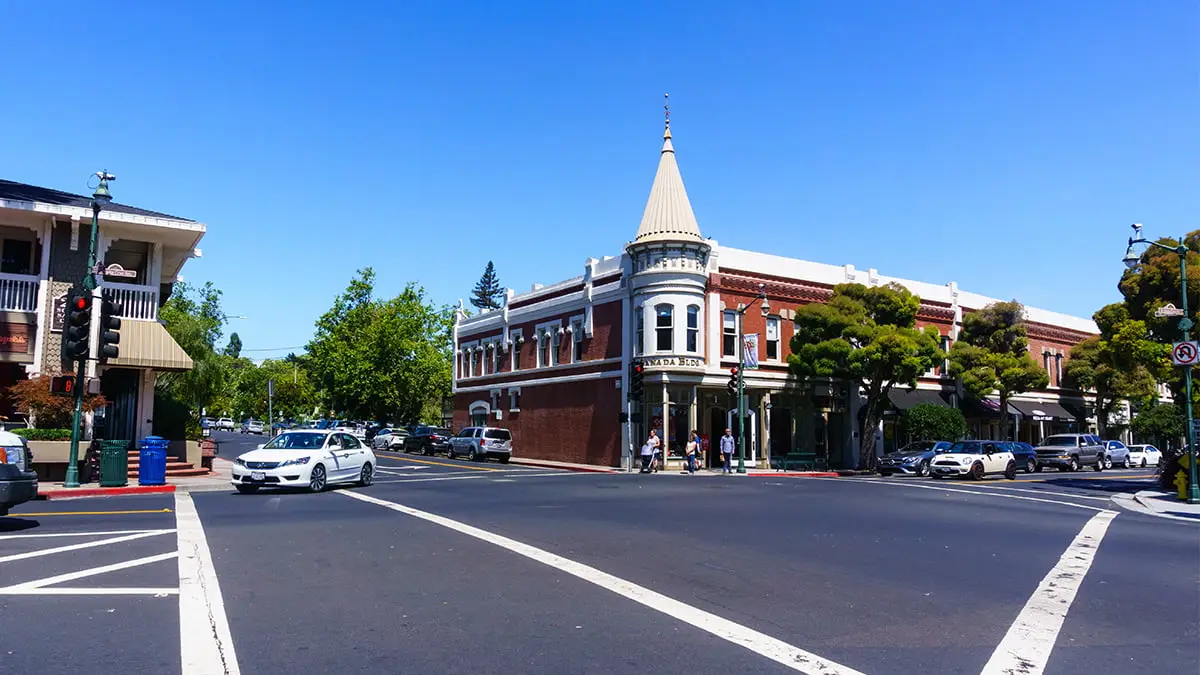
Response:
column 152, row 461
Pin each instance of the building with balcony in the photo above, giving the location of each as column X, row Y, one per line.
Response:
column 553, row 363
column 44, row 239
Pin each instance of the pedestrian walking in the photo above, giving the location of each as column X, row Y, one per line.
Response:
column 727, row 445
column 649, row 448
column 693, row 446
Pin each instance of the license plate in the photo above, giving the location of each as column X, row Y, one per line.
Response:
column 257, row 475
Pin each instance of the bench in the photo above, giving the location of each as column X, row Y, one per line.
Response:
column 798, row 461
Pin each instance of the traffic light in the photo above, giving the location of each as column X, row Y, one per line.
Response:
column 636, row 373
column 733, row 380
column 62, row 384
column 110, row 326
column 79, row 326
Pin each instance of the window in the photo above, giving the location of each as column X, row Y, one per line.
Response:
column 555, row 345
column 729, row 333
column 946, row 361
column 1046, row 364
column 1058, row 370
column 576, row 341
column 514, row 400
column 516, row 351
column 495, row 357
column 16, row 256
column 693, row 328
column 495, row 396
column 663, row 331
column 773, row 338
column 543, row 349
column 131, row 256
column 473, row 364
column 639, row 343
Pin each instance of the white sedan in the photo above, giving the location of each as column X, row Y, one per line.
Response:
column 311, row 458
column 1144, row 455
column 389, row 438
column 975, row 459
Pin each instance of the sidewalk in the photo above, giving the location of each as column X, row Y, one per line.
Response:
column 1160, row 504
column 218, row 479
column 673, row 470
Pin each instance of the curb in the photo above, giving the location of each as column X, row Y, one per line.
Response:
column 77, row 493
column 797, row 474
column 570, row 467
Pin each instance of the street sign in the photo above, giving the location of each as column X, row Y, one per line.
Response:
column 750, row 351
column 270, row 387
column 1186, row 353
column 1168, row 309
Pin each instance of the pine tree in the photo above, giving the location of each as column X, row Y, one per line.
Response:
column 234, row 348
column 487, row 292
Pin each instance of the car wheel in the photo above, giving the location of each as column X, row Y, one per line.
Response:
column 1010, row 471
column 923, row 469
column 977, row 472
column 426, row 449
column 474, row 454
column 1143, row 462
column 1107, row 462
column 1073, row 464
column 366, row 475
column 316, row 480
column 1031, row 466
column 247, row 489
column 1128, row 464
column 450, row 453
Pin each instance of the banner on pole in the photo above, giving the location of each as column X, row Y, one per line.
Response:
column 750, row 350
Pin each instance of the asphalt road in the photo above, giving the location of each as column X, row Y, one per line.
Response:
column 452, row 567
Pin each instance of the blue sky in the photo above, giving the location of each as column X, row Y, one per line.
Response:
column 1006, row 146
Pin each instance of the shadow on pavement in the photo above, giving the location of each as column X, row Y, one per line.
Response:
column 1112, row 485
column 16, row 524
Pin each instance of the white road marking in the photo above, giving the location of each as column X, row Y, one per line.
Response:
column 399, row 470
column 77, row 534
column 1026, row 647
column 759, row 643
column 477, row 476
column 868, row 481
column 205, row 643
column 1042, row 492
column 92, row 591
column 71, row 576
column 86, row 544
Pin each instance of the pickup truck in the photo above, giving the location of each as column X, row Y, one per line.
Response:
column 17, row 483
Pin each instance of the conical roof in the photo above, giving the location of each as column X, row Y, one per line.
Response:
column 668, row 215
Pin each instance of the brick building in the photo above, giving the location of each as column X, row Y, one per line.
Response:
column 552, row 364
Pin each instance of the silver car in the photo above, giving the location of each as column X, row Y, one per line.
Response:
column 389, row 438
column 480, row 443
column 1116, row 453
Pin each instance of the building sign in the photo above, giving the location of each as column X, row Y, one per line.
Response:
column 750, row 350
column 669, row 361
column 115, row 270
column 1041, row 416
column 14, row 338
column 1168, row 309
column 59, row 315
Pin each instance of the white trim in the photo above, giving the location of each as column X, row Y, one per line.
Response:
column 112, row 216
column 549, row 380
column 559, row 366
column 511, row 407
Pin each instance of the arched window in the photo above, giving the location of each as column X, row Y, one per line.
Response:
column 693, row 328
column 479, row 413
column 664, row 334
column 639, row 344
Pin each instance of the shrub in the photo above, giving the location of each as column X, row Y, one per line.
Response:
column 931, row 422
column 51, row 410
column 44, row 434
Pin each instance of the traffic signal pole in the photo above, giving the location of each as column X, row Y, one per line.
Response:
column 741, row 388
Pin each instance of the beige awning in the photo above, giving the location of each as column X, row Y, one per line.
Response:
column 147, row 344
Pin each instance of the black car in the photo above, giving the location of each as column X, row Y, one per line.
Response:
column 18, row 482
column 1025, row 456
column 428, row 440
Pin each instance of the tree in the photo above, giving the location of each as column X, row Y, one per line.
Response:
column 992, row 355
column 234, row 348
column 50, row 411
column 193, row 317
column 487, row 292
column 867, row 336
column 929, row 421
column 382, row 359
column 1160, row 424
column 295, row 395
column 1120, row 363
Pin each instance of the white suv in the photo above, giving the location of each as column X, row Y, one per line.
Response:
column 479, row 443
column 975, row 459
column 225, row 424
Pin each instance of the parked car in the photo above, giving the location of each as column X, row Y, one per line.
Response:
column 252, row 427
column 309, row 458
column 428, row 440
column 389, row 438
column 1070, row 452
column 1025, row 455
column 18, row 482
column 976, row 459
column 1144, row 455
column 480, row 443
column 913, row 459
column 225, row 424
column 1116, row 453
column 206, row 423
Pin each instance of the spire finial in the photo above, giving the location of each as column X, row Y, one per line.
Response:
column 667, row 109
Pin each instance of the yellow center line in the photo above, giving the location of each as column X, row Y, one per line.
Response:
column 427, row 461
column 89, row 513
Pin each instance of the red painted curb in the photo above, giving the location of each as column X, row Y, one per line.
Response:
column 797, row 474
column 73, row 493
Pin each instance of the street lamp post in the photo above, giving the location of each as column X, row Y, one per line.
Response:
column 1131, row 261
column 100, row 198
column 741, row 408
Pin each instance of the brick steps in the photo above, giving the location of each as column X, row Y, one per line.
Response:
column 174, row 467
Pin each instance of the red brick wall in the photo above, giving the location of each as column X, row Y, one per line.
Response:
column 565, row 422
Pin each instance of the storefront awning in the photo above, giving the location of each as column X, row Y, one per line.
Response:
column 1048, row 411
column 903, row 398
column 147, row 344
column 988, row 408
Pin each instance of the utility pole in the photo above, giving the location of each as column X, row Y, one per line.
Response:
column 741, row 386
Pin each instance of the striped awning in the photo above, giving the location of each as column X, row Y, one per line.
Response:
column 147, row 344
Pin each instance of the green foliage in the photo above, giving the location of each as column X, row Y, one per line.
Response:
column 927, row 421
column 383, row 359
column 1159, row 424
column 194, row 319
column 44, row 434
column 868, row 337
column 992, row 355
column 487, row 292
column 234, row 348
column 295, row 395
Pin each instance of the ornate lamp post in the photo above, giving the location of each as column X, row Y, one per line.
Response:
column 741, row 408
column 1131, row 260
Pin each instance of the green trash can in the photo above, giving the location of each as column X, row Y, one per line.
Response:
column 114, row 463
